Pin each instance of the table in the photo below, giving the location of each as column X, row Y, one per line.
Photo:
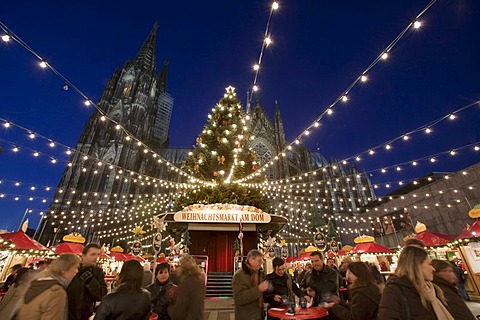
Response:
column 300, row 313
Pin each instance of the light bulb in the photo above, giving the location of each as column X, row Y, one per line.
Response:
column 43, row 64
column 275, row 5
column 256, row 67
column 385, row 56
column 6, row 38
column 417, row 24
column 363, row 78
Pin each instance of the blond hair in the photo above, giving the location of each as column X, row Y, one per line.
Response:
column 63, row 264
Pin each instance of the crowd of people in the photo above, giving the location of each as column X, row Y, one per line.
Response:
column 420, row 288
column 74, row 288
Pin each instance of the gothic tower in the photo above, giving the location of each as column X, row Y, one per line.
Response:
column 135, row 97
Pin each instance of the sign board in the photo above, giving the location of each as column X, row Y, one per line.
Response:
column 222, row 214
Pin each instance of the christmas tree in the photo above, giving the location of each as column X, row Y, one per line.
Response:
column 220, row 156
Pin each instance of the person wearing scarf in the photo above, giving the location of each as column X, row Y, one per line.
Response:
column 411, row 284
column 248, row 288
column 46, row 297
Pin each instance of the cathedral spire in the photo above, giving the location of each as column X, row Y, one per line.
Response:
column 162, row 77
column 146, row 56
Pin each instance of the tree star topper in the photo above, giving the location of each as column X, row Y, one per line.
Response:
column 230, row 90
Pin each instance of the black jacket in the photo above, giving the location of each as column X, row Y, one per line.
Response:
column 124, row 306
column 161, row 296
column 455, row 302
column 280, row 287
column 363, row 306
column 325, row 280
column 82, row 294
column 391, row 302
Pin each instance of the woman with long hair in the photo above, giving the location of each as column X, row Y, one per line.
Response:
column 189, row 302
column 447, row 280
column 364, row 292
column 410, row 293
column 129, row 301
column 46, row 297
column 15, row 292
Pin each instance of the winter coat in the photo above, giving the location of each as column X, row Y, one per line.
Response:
column 44, row 299
column 280, row 287
column 147, row 278
column 456, row 304
column 82, row 294
column 10, row 300
column 391, row 303
column 246, row 295
column 363, row 306
column 120, row 305
column 161, row 296
column 325, row 280
column 190, row 299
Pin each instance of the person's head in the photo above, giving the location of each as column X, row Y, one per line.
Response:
column 278, row 266
column 444, row 270
column 346, row 261
column 316, row 258
column 311, row 292
column 331, row 262
column 90, row 254
column 65, row 266
column 187, row 266
column 414, row 242
column 308, row 266
column 162, row 271
column 255, row 259
column 23, row 276
column 15, row 268
column 360, row 275
column 131, row 276
column 146, row 266
column 415, row 264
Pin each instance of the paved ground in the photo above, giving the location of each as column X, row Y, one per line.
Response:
column 223, row 309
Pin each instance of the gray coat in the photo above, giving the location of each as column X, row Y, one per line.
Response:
column 246, row 295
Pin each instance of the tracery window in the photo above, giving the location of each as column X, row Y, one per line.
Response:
column 263, row 153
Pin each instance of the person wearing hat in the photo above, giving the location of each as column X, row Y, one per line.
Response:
column 11, row 277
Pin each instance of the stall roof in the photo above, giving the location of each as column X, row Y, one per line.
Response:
column 431, row 239
column 370, row 247
column 22, row 241
column 68, row 247
column 472, row 232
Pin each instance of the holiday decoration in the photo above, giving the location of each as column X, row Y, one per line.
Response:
column 186, row 242
column 136, row 248
column 74, row 237
column 138, row 230
column 319, row 240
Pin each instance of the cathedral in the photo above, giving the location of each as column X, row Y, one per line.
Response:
column 109, row 173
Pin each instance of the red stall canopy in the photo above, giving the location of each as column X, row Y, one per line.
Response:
column 431, row 239
column 68, row 247
column 130, row 256
column 118, row 256
column 22, row 241
column 370, row 247
column 473, row 231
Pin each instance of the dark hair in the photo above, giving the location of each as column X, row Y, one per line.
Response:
column 328, row 259
column 364, row 275
column 162, row 266
column 317, row 253
column 40, row 263
column 277, row 262
column 440, row 265
column 131, row 277
column 89, row 246
column 23, row 275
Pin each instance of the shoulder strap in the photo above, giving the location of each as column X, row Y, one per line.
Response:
column 405, row 307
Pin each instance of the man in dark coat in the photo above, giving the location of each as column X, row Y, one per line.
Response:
column 323, row 278
column 88, row 286
column 282, row 286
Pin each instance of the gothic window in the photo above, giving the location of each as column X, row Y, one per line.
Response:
column 263, row 153
column 127, row 88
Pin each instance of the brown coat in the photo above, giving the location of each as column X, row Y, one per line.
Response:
column 246, row 296
column 391, row 302
column 364, row 305
column 455, row 301
column 48, row 303
column 9, row 301
column 190, row 300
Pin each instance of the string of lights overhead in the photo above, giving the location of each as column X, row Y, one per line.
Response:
column 415, row 24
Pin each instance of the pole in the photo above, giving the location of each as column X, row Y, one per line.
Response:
column 21, row 221
column 38, row 225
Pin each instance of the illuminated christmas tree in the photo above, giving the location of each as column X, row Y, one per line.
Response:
column 221, row 155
